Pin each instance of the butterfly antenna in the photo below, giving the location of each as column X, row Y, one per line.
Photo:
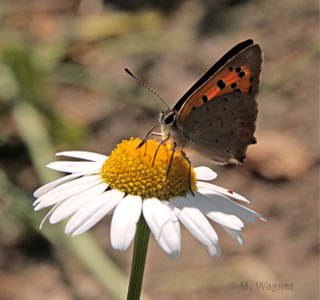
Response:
column 148, row 87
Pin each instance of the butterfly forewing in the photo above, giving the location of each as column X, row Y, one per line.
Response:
column 221, row 130
column 240, row 74
column 212, row 70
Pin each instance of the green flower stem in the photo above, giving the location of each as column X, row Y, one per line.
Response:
column 139, row 259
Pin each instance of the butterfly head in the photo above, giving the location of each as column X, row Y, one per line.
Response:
column 168, row 121
column 168, row 117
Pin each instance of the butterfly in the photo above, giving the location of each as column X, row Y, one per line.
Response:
column 216, row 116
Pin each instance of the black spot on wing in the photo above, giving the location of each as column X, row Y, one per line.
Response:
column 221, row 84
column 204, row 98
column 241, row 74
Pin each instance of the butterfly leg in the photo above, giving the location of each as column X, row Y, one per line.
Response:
column 189, row 173
column 171, row 159
column 145, row 148
column 147, row 136
column 155, row 154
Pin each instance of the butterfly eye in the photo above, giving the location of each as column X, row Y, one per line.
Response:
column 169, row 118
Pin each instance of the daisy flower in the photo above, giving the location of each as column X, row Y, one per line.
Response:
column 127, row 185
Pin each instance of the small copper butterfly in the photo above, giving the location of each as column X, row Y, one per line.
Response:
column 216, row 116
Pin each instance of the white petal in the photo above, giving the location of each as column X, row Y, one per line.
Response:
column 235, row 234
column 124, row 222
column 204, row 173
column 214, row 211
column 46, row 218
column 66, row 190
column 164, row 225
column 49, row 186
column 231, row 207
column 91, row 213
column 193, row 220
column 74, row 203
column 221, row 190
column 214, row 250
column 75, row 166
column 84, row 155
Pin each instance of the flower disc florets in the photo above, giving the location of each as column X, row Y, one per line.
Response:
column 130, row 170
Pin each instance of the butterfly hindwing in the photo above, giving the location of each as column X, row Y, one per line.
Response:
column 221, row 130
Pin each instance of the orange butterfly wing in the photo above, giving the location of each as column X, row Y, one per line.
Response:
column 239, row 74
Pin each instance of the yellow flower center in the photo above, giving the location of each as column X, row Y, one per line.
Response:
column 130, row 170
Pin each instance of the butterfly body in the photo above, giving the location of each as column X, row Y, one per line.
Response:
column 216, row 117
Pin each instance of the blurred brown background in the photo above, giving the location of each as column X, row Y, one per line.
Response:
column 62, row 87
